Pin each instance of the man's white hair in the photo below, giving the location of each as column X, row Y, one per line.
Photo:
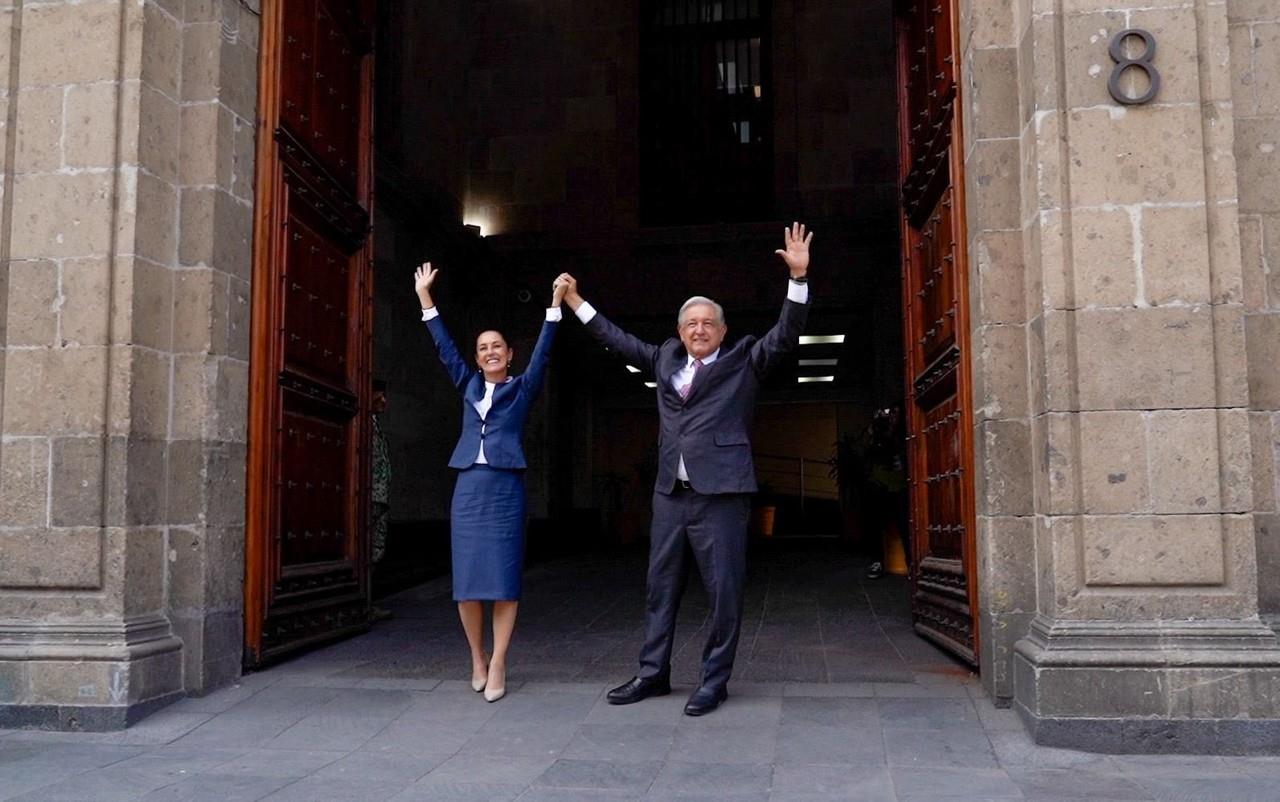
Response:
column 700, row 300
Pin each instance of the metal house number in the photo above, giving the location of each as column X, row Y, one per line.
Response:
column 1140, row 62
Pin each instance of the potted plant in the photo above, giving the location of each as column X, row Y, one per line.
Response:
column 764, row 513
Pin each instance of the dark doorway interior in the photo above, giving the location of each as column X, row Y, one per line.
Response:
column 810, row 617
column 655, row 149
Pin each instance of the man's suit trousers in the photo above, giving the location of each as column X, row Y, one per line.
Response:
column 714, row 529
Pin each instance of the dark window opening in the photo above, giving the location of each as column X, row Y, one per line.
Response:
column 706, row 105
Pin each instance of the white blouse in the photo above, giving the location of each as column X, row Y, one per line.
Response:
column 482, row 406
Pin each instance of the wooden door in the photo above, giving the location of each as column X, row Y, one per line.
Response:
column 306, row 562
column 936, row 328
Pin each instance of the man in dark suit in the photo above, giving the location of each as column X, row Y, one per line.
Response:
column 706, row 401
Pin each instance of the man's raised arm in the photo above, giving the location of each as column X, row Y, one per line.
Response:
column 785, row 334
column 637, row 352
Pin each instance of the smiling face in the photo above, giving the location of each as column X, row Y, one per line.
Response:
column 701, row 330
column 493, row 355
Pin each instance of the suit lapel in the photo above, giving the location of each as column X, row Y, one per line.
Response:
column 504, row 388
column 475, row 388
column 669, row 370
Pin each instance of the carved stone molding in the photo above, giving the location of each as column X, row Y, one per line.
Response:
column 132, row 638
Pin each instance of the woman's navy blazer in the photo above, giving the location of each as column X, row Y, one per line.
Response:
column 501, row 429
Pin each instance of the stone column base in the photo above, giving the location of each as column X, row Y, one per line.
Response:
column 1272, row 620
column 1208, row 687
column 87, row 675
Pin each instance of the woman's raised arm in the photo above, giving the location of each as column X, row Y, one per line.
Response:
column 459, row 371
column 537, row 371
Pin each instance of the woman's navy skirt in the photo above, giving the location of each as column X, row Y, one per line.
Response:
column 488, row 515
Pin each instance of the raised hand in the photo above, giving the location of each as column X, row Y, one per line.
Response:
column 571, row 295
column 423, row 278
column 796, row 254
column 558, row 288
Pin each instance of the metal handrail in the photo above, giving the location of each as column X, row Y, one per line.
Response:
column 814, row 460
column 803, row 464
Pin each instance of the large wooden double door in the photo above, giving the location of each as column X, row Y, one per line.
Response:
column 306, row 576
column 936, row 328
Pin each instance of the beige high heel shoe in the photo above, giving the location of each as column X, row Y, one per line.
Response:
column 478, row 685
column 494, row 694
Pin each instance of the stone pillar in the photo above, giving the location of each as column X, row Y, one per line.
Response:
column 125, row 253
column 1255, row 59
column 1000, row 290
column 208, row 424
column 1146, row 634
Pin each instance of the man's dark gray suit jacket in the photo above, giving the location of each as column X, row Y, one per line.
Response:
column 711, row 427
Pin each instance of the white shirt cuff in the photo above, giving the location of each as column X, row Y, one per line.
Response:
column 554, row 315
column 798, row 292
column 429, row 314
column 585, row 312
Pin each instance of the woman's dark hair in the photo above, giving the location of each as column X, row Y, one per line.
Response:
column 495, row 331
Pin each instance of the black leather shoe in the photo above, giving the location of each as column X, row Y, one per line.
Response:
column 704, row 700
column 638, row 689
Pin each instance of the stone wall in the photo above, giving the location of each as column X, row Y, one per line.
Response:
column 1145, row 584
column 835, row 111
column 553, row 116
column 1255, row 59
column 1003, row 301
column 555, row 108
column 423, row 82
column 126, row 229
column 211, row 304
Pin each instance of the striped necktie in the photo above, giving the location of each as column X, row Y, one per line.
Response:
column 684, row 391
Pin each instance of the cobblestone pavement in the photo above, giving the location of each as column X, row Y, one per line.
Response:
column 834, row 699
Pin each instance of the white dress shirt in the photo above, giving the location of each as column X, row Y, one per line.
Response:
column 796, row 291
column 482, row 406
column 679, row 379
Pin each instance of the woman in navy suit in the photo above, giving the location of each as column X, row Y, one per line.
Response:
column 488, row 511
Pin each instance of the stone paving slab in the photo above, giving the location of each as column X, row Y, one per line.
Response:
column 446, row 743
column 383, row 717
